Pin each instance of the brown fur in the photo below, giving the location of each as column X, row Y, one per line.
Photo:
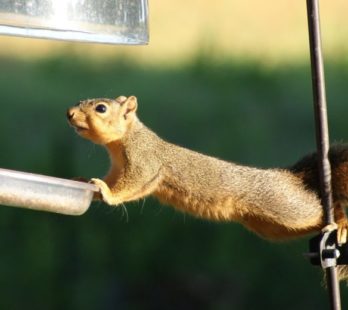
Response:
column 276, row 204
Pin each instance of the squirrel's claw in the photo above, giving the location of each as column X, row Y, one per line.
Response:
column 342, row 231
column 98, row 182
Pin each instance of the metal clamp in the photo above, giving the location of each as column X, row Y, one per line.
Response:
column 326, row 252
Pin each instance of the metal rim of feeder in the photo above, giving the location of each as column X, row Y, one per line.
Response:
column 95, row 21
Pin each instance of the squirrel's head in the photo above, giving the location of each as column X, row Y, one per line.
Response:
column 103, row 120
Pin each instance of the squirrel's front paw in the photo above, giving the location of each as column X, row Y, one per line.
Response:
column 98, row 182
column 104, row 190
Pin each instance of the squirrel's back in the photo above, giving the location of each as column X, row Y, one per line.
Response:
column 271, row 202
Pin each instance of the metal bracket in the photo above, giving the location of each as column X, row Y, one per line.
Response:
column 326, row 252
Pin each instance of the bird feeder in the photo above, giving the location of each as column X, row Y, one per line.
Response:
column 94, row 21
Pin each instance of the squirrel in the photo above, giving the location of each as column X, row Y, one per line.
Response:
column 276, row 204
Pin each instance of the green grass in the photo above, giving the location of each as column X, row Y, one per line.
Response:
column 160, row 258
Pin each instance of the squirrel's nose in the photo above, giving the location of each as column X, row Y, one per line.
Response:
column 70, row 114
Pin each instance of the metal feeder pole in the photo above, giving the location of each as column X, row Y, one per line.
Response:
column 322, row 136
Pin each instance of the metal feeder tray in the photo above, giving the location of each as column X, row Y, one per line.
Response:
column 45, row 193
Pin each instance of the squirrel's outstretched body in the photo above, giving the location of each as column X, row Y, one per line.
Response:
column 277, row 204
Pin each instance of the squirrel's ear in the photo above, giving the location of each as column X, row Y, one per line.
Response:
column 121, row 99
column 130, row 106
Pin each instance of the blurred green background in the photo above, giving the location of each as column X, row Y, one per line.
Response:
column 237, row 108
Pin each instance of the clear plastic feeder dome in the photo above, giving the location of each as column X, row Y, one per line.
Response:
column 99, row 21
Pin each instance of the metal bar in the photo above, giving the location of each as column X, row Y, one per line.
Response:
column 333, row 288
column 322, row 135
column 319, row 100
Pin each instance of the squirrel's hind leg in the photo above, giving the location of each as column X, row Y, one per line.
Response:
column 342, row 222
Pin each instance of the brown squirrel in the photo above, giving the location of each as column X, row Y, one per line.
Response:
column 277, row 204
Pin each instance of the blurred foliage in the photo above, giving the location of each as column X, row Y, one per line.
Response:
column 158, row 258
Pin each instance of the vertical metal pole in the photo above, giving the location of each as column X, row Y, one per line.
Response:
column 322, row 135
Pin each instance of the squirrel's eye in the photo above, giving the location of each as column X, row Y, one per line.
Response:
column 101, row 108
